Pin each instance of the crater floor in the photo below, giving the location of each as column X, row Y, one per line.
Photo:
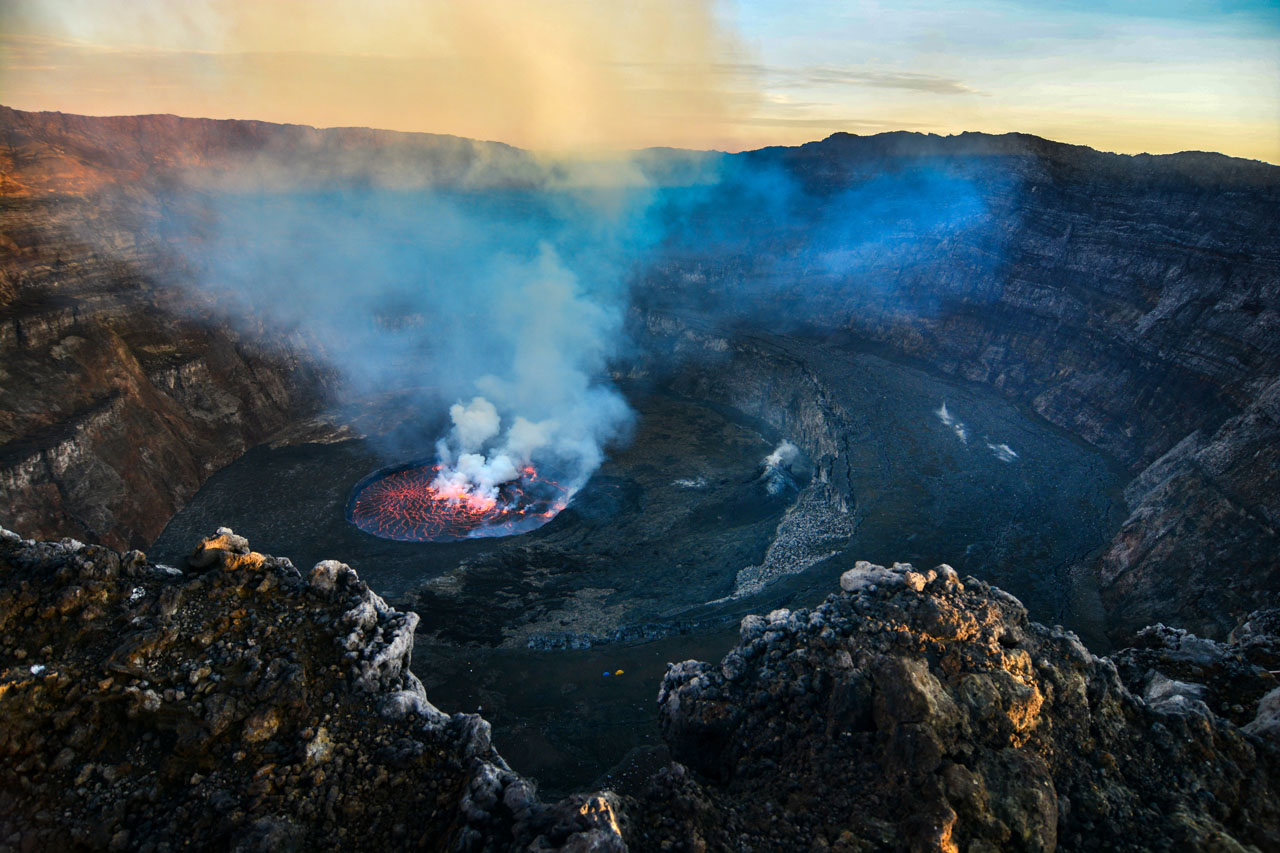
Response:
column 646, row 565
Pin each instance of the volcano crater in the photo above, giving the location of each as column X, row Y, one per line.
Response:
column 558, row 634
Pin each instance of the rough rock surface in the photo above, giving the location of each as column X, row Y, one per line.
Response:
column 916, row 711
column 245, row 705
column 241, row 705
column 116, row 400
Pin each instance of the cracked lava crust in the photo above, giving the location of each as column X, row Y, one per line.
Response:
column 409, row 503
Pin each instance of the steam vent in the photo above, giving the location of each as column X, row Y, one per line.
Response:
column 374, row 489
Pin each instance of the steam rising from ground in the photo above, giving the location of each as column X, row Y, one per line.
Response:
column 502, row 303
column 502, row 307
column 777, row 467
column 948, row 419
column 1001, row 451
column 490, row 285
column 782, row 456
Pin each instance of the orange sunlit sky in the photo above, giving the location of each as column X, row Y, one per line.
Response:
column 588, row 74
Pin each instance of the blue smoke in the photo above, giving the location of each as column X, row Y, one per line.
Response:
column 515, row 295
column 517, row 292
column 795, row 237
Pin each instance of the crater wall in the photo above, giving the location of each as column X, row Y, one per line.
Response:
column 1134, row 301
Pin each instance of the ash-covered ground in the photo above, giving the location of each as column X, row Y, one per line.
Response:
column 682, row 532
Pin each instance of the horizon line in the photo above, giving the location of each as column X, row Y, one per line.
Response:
column 606, row 151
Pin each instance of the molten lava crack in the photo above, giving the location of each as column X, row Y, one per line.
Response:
column 408, row 504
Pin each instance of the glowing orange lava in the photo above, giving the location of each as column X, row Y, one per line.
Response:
column 405, row 504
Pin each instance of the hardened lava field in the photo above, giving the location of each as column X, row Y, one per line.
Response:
column 405, row 504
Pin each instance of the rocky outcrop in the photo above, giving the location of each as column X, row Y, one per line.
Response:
column 242, row 704
column 917, row 711
column 239, row 705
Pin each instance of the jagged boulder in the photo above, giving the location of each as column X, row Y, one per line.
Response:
column 916, row 711
column 239, row 706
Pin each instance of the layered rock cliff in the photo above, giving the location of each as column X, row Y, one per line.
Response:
column 242, row 704
column 1134, row 301
column 116, row 400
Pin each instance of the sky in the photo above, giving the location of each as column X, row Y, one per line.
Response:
column 1124, row 75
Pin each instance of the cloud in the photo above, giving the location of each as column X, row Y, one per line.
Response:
column 749, row 75
column 830, row 124
column 913, row 81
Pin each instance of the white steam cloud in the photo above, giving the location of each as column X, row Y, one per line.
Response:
column 549, row 406
column 473, row 424
column 948, row 419
column 782, row 456
column 777, row 467
column 500, row 306
column 1003, row 452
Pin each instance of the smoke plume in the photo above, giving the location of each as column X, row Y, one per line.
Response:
column 500, row 306
column 777, row 468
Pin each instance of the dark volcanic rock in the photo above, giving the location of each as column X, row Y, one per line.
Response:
column 241, row 706
column 1171, row 665
column 914, row 711
column 116, row 400
column 1133, row 300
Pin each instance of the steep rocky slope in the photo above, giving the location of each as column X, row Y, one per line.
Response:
column 242, row 704
column 1134, row 301
column 116, row 402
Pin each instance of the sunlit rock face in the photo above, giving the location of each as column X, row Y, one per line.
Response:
column 916, row 710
